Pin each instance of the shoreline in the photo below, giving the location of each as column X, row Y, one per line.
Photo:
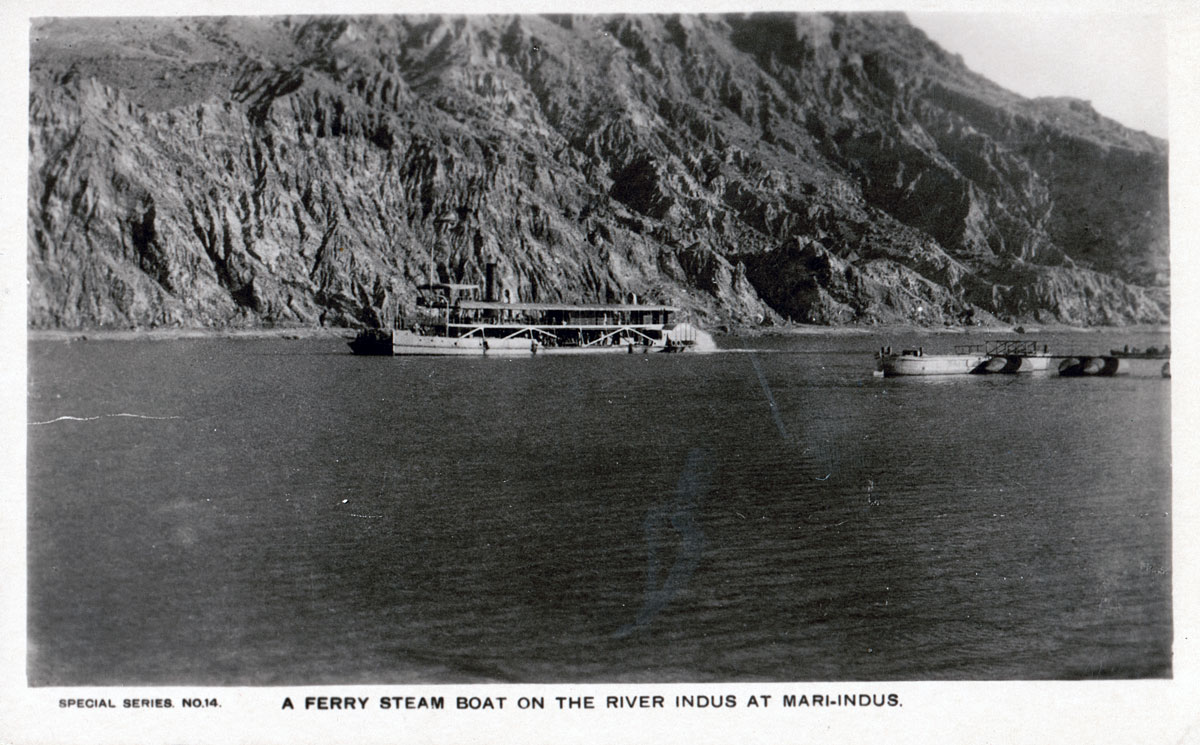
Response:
column 311, row 332
column 909, row 328
column 169, row 334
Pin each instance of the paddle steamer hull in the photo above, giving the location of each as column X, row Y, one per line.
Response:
column 532, row 341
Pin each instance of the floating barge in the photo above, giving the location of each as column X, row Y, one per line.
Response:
column 997, row 357
column 1010, row 357
column 1148, row 363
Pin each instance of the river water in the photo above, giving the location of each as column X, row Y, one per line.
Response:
column 270, row 511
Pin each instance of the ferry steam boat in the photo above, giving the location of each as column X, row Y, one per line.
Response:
column 1004, row 357
column 456, row 323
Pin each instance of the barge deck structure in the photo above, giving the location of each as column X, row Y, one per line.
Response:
column 1022, row 356
column 1133, row 362
column 995, row 357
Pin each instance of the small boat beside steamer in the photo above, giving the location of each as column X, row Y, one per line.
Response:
column 456, row 322
column 995, row 357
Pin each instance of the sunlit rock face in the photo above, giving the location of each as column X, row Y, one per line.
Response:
column 834, row 169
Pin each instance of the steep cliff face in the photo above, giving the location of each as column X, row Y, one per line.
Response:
column 823, row 168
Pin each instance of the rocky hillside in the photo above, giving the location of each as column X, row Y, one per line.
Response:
column 821, row 168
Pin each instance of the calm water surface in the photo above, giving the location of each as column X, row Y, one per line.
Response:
column 282, row 512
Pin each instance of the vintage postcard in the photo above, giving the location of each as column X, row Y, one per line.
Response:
column 665, row 373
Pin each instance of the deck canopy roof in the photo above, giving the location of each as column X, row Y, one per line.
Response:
column 544, row 307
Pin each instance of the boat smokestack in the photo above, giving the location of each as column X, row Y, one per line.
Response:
column 489, row 282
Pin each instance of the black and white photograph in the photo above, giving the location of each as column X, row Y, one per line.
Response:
column 645, row 359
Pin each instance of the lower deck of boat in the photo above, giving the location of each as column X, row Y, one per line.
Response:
column 519, row 340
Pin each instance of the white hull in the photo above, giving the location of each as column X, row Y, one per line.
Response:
column 1039, row 364
column 405, row 342
column 470, row 348
column 1001, row 357
column 932, row 364
column 408, row 343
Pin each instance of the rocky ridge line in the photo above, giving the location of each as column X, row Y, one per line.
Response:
column 837, row 169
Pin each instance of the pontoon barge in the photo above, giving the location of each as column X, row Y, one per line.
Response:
column 1005, row 357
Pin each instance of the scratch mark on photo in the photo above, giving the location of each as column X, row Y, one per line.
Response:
column 69, row 418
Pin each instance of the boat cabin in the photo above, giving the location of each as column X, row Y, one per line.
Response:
column 457, row 311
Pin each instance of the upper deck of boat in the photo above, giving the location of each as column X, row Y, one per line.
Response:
column 564, row 307
column 462, row 306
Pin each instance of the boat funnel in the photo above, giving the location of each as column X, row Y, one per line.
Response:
column 489, row 282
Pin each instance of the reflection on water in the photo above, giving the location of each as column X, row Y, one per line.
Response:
column 277, row 513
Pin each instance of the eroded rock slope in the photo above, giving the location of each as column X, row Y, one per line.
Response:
column 821, row 168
